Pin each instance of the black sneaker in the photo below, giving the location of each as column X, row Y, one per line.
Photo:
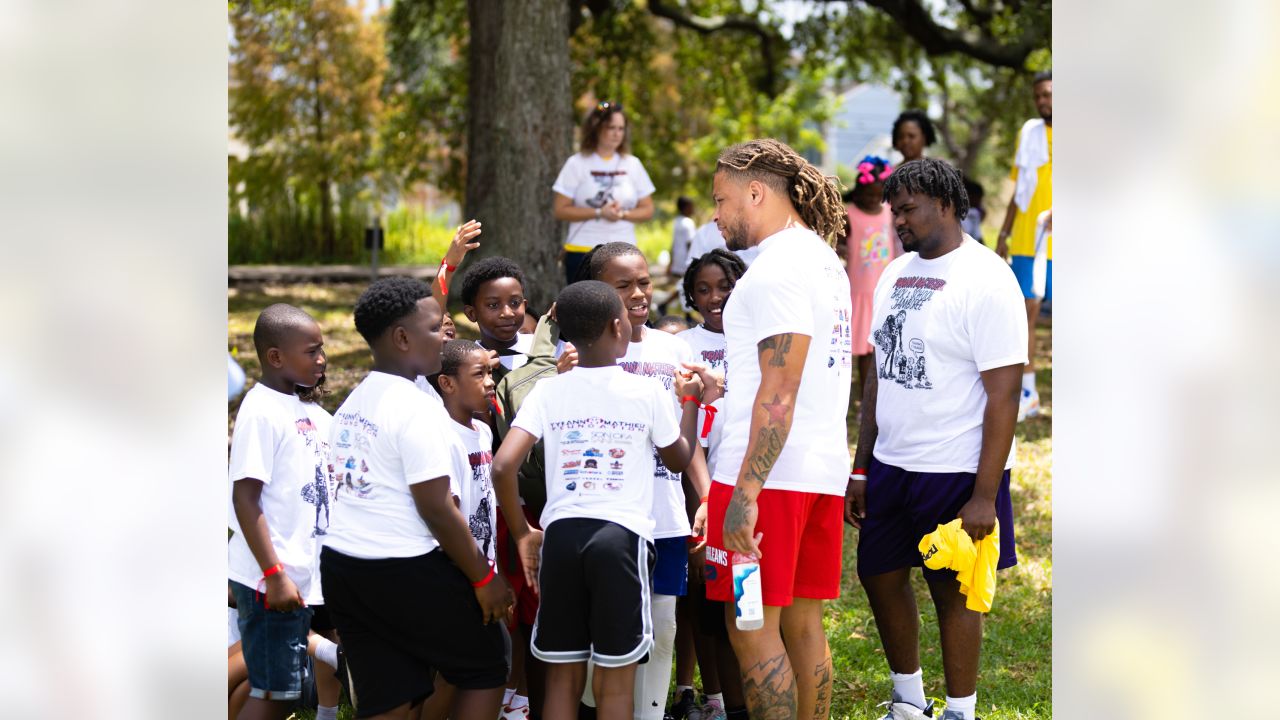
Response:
column 682, row 707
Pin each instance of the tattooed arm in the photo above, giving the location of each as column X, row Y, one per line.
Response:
column 781, row 366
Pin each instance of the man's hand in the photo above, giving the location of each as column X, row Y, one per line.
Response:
column 568, row 359
column 495, row 599
column 700, row 526
column 282, row 594
column 855, row 502
column 461, row 243
column 740, row 524
column 530, row 549
column 712, row 382
column 1002, row 246
column 978, row 517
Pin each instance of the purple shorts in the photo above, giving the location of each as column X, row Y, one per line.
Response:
column 904, row 506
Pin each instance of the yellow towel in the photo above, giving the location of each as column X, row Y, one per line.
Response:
column 951, row 547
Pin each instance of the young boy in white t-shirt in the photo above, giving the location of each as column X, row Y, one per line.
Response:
column 408, row 589
column 593, row 572
column 280, row 503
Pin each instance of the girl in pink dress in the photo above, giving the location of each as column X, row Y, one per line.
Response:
column 871, row 244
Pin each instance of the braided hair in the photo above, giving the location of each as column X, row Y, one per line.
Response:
column 932, row 177
column 593, row 262
column 816, row 197
column 728, row 262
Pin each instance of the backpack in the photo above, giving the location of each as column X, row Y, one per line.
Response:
column 511, row 391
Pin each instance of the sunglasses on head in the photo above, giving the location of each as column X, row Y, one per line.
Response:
column 605, row 106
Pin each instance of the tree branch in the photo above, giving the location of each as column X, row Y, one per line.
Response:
column 767, row 82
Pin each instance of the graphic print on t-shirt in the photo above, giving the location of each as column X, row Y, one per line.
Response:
column 604, row 180
column 481, row 527
column 316, row 492
column 904, row 356
column 665, row 374
column 348, row 470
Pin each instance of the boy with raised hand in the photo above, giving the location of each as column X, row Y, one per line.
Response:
column 276, row 470
column 409, row 591
column 598, row 424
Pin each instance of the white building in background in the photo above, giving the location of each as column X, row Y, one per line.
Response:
column 862, row 126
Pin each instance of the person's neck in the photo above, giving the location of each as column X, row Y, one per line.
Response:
column 950, row 241
column 1049, row 121
column 489, row 342
column 708, row 328
column 278, row 383
column 869, row 206
column 596, row 358
column 606, row 155
column 460, row 415
column 637, row 333
column 778, row 222
column 395, row 366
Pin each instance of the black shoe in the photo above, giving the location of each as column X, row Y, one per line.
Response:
column 681, row 708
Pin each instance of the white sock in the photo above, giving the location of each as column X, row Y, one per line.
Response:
column 1029, row 382
column 327, row 651
column 654, row 677
column 966, row 706
column 327, row 713
column 518, row 701
column 909, row 688
column 507, row 694
column 680, row 690
column 716, row 699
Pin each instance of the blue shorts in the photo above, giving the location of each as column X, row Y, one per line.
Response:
column 1022, row 270
column 671, row 569
column 274, row 645
column 904, row 506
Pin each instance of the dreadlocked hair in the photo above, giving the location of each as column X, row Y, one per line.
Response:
column 593, row 263
column 816, row 197
column 932, row 177
column 730, row 263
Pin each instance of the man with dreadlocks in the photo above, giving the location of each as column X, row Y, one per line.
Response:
column 938, row 447
column 784, row 458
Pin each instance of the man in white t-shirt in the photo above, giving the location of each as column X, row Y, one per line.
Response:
column 936, row 441
column 783, row 458
column 407, row 587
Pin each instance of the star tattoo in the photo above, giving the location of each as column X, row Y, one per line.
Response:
column 777, row 411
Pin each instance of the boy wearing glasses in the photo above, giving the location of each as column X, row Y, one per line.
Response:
column 493, row 298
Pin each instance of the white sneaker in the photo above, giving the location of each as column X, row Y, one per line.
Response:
column 899, row 710
column 510, row 713
column 1028, row 404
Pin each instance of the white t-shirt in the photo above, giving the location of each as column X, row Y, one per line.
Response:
column 599, row 427
column 708, row 238
column 475, row 491
column 657, row 357
column 593, row 182
column 797, row 286
column 681, row 239
column 524, row 342
column 709, row 348
column 282, row 441
column 937, row 324
column 387, row 436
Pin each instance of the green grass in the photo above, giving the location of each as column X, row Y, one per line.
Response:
column 1016, row 669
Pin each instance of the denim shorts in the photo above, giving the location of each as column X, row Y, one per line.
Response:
column 274, row 644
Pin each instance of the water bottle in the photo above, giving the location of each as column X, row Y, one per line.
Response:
column 747, row 603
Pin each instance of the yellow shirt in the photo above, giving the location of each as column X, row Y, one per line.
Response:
column 1022, row 239
column 950, row 547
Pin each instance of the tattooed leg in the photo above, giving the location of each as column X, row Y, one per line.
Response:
column 768, row 680
column 807, row 647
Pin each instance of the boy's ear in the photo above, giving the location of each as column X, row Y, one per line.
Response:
column 447, row 383
column 470, row 312
column 275, row 358
column 400, row 338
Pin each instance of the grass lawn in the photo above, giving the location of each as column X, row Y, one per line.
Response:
column 1016, row 672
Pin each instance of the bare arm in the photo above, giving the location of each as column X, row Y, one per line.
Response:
column 564, row 209
column 641, row 212
column 781, row 367
column 678, row 454
column 246, row 498
column 435, row 505
column 514, row 449
column 855, row 496
column 1002, row 241
column 461, row 244
column 1003, row 385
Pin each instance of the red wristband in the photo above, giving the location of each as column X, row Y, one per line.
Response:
column 703, row 499
column 690, row 398
column 859, row 471
column 444, row 281
column 272, row 570
column 710, row 418
column 486, row 579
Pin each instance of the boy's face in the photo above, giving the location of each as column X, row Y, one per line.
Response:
column 472, row 387
column 301, row 356
column 424, row 331
column 629, row 276
column 498, row 309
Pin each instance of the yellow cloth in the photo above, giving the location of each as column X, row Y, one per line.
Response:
column 950, row 547
column 1022, row 238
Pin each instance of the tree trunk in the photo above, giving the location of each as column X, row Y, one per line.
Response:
column 327, row 233
column 520, row 130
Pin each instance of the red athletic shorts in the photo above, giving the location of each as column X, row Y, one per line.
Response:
column 509, row 564
column 803, row 536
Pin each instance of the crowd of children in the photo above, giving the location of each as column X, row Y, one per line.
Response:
column 379, row 527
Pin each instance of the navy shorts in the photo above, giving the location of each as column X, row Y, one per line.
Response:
column 274, row 644
column 671, row 569
column 904, row 506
